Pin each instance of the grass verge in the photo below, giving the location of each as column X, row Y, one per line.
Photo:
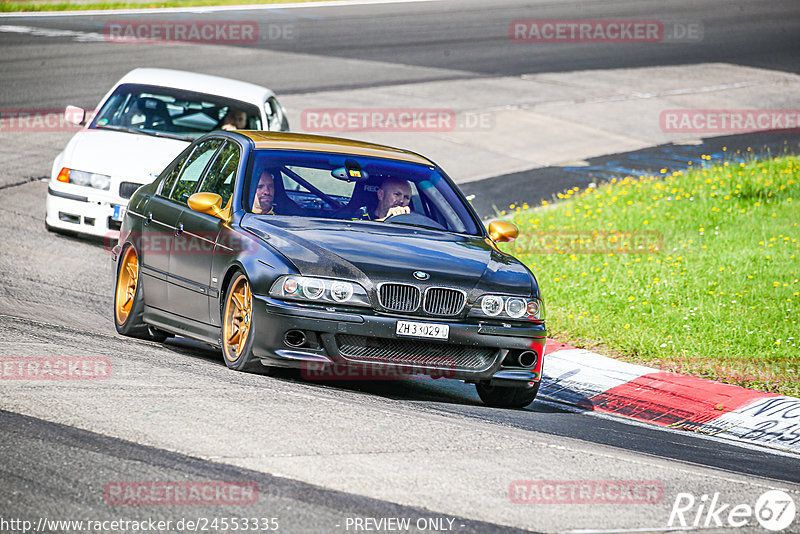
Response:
column 13, row 6
column 694, row 272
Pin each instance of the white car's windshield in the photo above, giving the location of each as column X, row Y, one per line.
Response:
column 162, row 111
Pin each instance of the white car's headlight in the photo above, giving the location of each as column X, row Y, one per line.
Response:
column 100, row 181
column 307, row 288
column 86, row 179
column 508, row 307
column 80, row 177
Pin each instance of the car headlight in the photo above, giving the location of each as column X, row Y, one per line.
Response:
column 100, row 181
column 296, row 287
column 492, row 305
column 90, row 179
column 341, row 291
column 79, row 177
column 508, row 307
column 516, row 308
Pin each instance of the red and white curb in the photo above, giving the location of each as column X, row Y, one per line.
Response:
column 594, row 382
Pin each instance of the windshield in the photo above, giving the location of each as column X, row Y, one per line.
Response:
column 163, row 111
column 347, row 187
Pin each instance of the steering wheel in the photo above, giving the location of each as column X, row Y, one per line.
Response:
column 414, row 219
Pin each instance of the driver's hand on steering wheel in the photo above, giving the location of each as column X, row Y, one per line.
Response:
column 397, row 210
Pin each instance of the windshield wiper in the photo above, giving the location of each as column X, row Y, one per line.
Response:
column 420, row 225
column 119, row 129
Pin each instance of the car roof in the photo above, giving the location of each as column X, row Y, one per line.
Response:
column 320, row 143
column 201, row 83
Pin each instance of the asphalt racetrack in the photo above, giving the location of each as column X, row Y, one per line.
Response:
column 363, row 456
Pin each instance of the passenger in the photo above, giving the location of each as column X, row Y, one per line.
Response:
column 265, row 194
column 234, row 119
column 394, row 196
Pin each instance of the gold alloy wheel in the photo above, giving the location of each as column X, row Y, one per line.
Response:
column 127, row 281
column 238, row 317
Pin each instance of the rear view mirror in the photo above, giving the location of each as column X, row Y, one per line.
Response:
column 350, row 175
column 75, row 115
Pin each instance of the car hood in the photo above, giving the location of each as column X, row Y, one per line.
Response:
column 373, row 252
column 132, row 157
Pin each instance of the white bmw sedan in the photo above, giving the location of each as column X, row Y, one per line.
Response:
column 143, row 122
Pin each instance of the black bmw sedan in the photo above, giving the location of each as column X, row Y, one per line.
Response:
column 337, row 257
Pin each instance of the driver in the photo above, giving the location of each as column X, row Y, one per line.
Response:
column 265, row 194
column 234, row 119
column 394, row 195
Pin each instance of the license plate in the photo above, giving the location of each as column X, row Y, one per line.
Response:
column 117, row 213
column 435, row 331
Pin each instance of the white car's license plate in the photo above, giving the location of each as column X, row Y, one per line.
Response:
column 435, row 331
column 117, row 213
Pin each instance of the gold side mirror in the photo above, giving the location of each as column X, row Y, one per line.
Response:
column 502, row 231
column 209, row 203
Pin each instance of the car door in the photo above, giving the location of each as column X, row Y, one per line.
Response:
column 196, row 245
column 158, row 231
column 175, row 205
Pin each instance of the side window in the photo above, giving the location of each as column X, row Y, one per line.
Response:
column 172, row 177
column 220, row 177
column 193, row 170
column 277, row 121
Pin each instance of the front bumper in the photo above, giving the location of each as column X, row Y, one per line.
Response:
column 474, row 351
column 83, row 210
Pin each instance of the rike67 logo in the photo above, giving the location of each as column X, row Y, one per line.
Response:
column 774, row 510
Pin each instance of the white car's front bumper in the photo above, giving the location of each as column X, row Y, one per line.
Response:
column 84, row 210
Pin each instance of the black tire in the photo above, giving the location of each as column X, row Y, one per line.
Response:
column 238, row 352
column 128, row 296
column 506, row 397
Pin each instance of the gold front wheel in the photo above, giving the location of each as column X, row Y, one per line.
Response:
column 127, row 284
column 237, row 325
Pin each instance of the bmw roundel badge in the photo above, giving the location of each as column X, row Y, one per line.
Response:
column 420, row 275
